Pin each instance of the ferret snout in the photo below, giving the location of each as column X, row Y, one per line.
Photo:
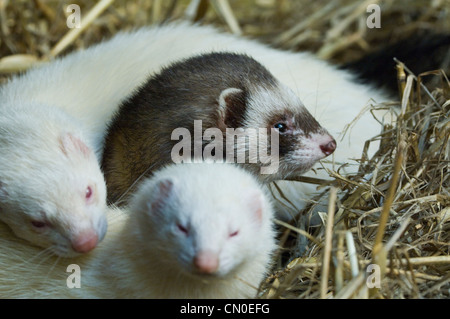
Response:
column 206, row 262
column 322, row 144
column 85, row 241
column 328, row 148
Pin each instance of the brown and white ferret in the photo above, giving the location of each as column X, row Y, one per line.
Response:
column 335, row 97
column 49, row 177
column 196, row 230
column 214, row 91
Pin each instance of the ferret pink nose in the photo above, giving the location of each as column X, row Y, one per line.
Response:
column 85, row 241
column 329, row 147
column 206, row 262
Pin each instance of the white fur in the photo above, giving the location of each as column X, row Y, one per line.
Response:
column 144, row 255
column 333, row 96
column 44, row 174
column 90, row 84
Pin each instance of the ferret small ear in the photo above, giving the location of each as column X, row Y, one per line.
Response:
column 231, row 108
column 255, row 202
column 70, row 143
column 163, row 191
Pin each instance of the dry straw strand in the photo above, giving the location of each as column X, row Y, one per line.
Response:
column 417, row 230
column 328, row 243
column 74, row 33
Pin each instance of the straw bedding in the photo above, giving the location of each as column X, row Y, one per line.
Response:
column 395, row 212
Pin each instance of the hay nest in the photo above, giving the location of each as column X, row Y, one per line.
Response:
column 390, row 231
column 389, row 235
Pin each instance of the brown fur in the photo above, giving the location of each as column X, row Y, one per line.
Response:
column 139, row 137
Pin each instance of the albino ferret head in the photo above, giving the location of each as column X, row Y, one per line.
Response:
column 205, row 219
column 52, row 191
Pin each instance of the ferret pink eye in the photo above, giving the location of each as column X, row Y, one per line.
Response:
column 88, row 192
column 183, row 229
column 38, row 224
column 233, row 234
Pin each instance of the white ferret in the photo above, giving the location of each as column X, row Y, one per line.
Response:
column 52, row 121
column 89, row 86
column 52, row 192
column 332, row 95
column 191, row 231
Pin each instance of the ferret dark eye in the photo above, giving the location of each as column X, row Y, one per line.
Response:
column 235, row 233
column 183, row 229
column 88, row 192
column 38, row 224
column 281, row 127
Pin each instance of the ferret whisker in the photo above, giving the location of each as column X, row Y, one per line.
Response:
column 265, row 98
column 119, row 200
column 317, row 100
column 297, row 89
column 116, row 217
column 42, row 256
column 45, row 253
column 58, row 258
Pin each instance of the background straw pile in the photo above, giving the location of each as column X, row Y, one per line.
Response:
column 396, row 210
